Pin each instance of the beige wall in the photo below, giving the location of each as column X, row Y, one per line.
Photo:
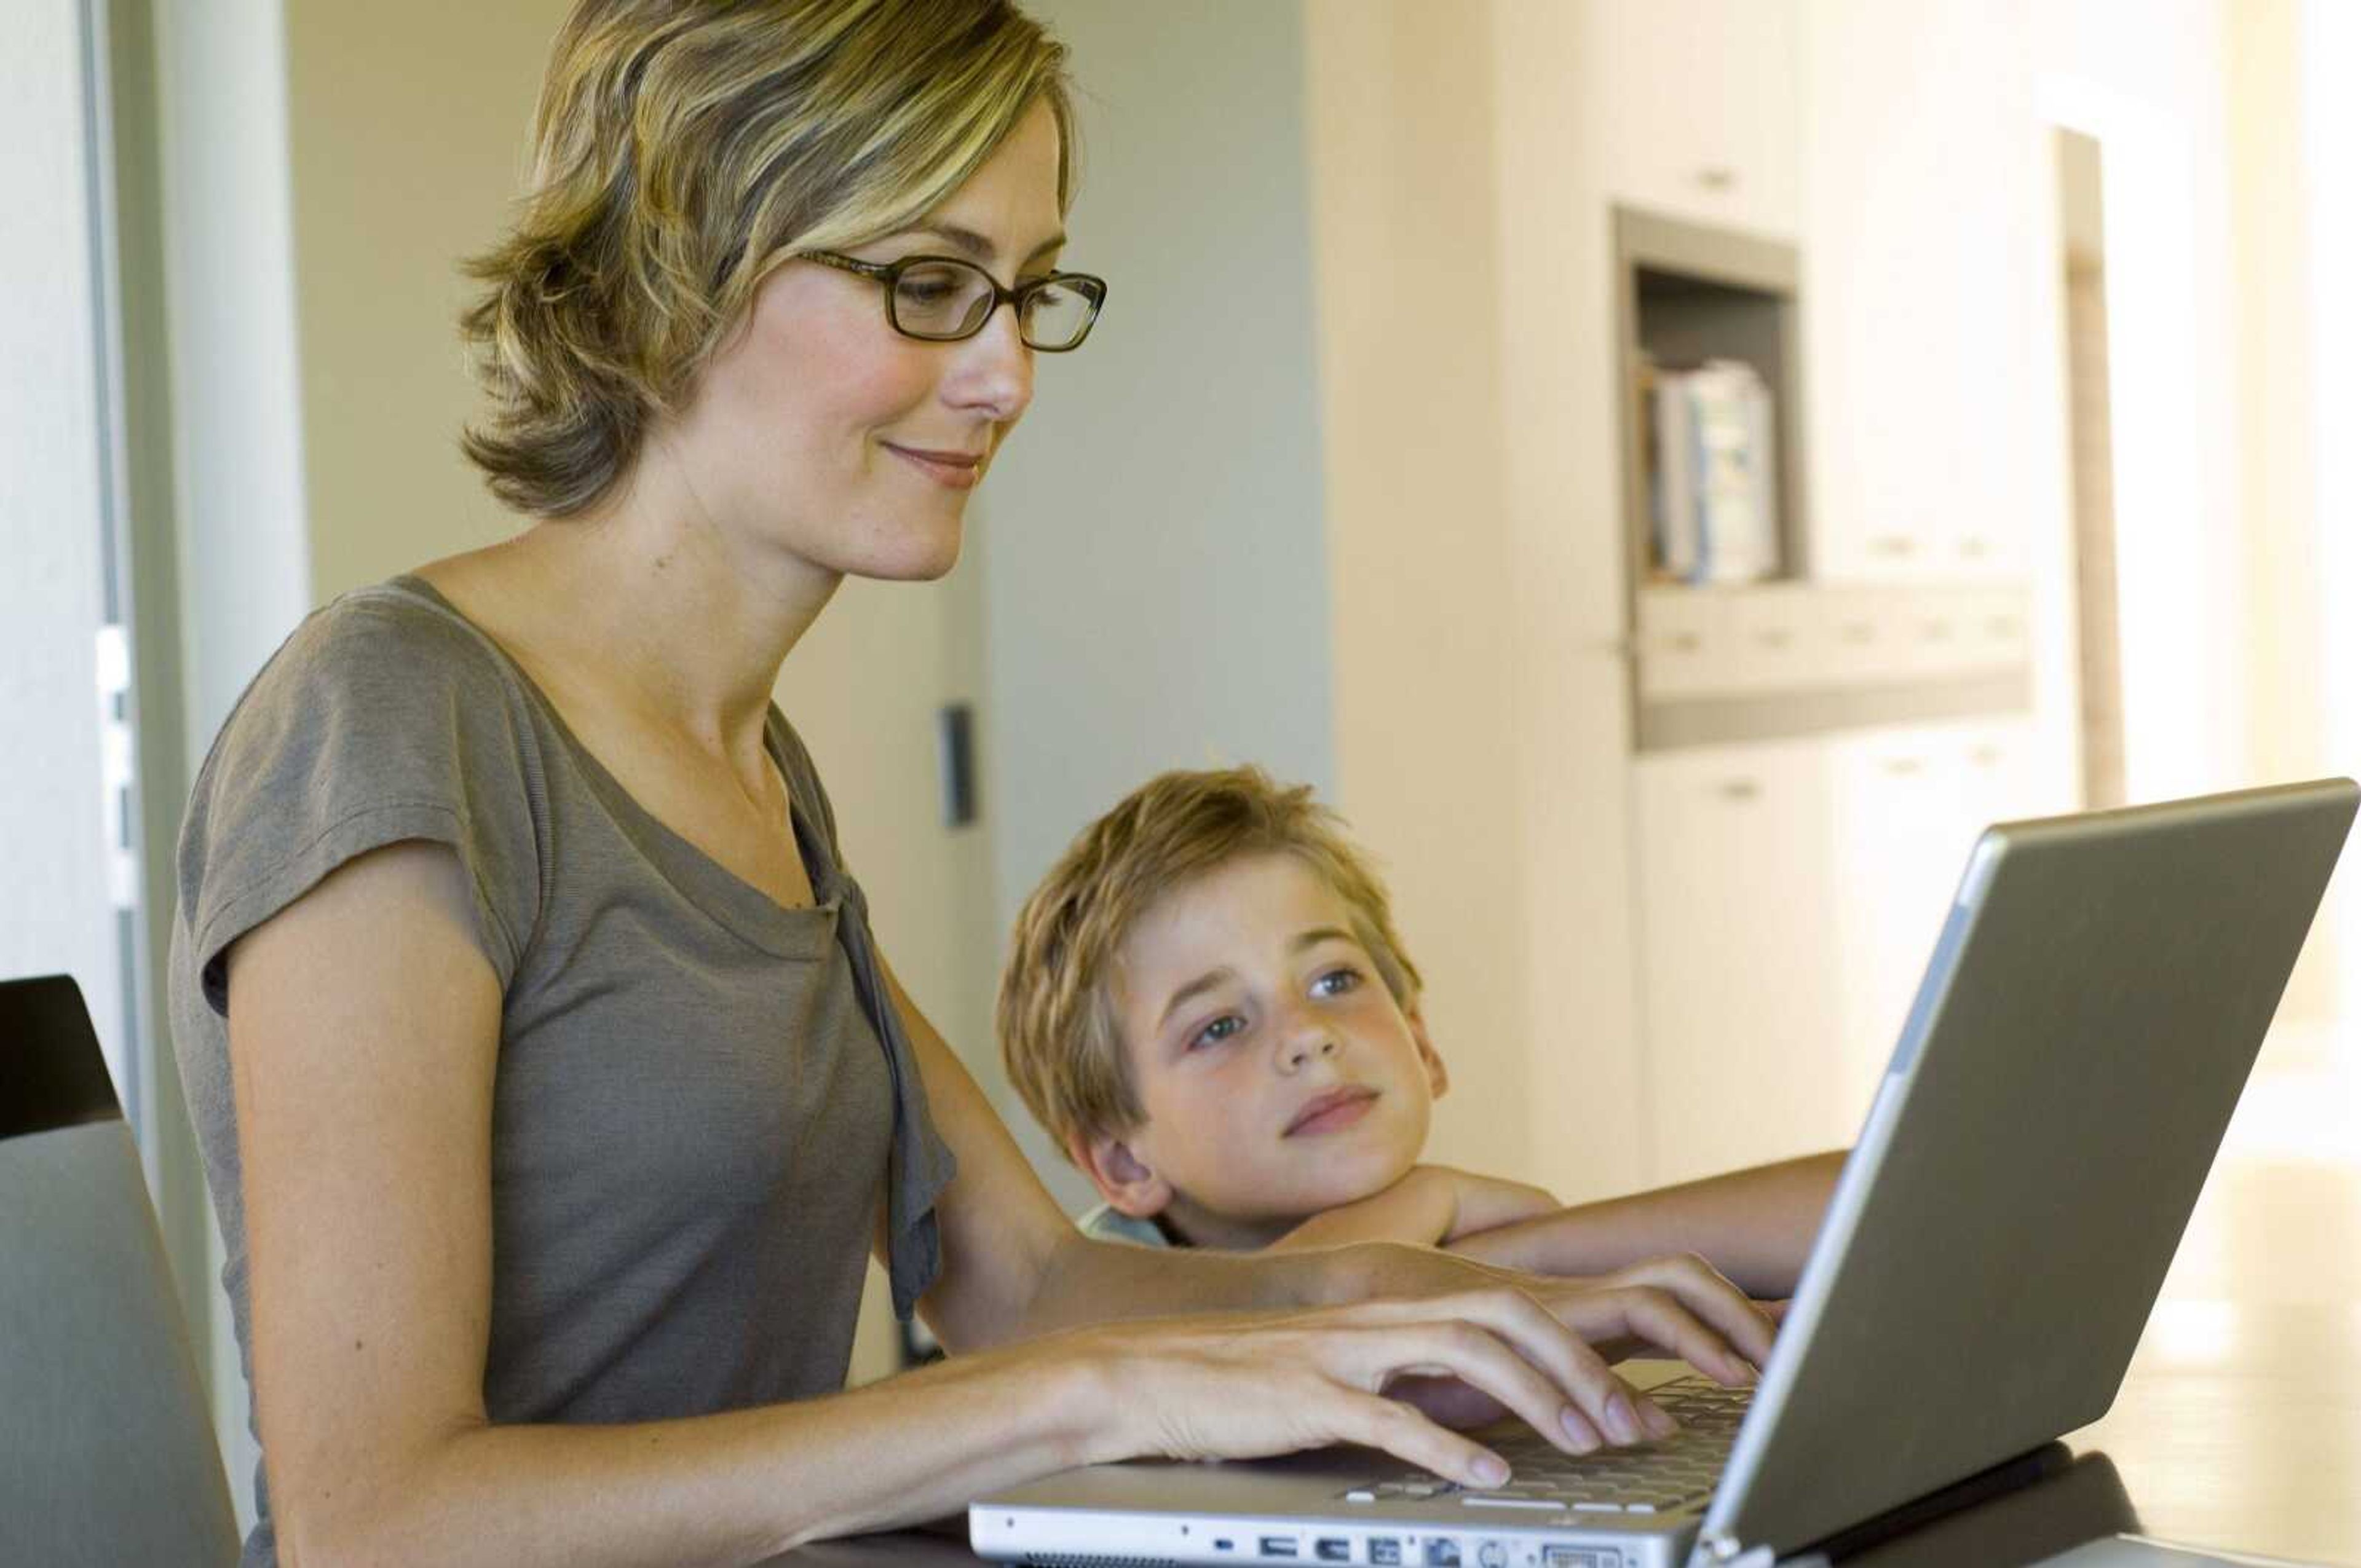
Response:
column 2270, row 235
column 1419, row 558
column 408, row 140
column 1479, row 709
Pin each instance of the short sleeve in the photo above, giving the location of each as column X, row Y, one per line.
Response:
column 382, row 718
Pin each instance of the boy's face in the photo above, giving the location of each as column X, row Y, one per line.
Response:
column 1279, row 1075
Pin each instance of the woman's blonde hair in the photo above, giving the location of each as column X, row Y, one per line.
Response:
column 1059, row 1037
column 682, row 145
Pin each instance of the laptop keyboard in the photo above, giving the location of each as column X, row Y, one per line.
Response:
column 1657, row 1477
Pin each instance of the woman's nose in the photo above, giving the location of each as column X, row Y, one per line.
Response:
column 994, row 370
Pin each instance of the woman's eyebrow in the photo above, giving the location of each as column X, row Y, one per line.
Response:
column 979, row 246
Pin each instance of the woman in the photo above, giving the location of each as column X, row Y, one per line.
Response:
column 550, row 1087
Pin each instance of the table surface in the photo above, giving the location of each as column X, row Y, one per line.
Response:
column 2238, row 1427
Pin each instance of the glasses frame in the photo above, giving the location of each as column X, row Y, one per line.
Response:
column 889, row 274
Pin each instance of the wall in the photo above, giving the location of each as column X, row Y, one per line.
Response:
column 2149, row 81
column 1150, row 543
column 410, row 149
column 1474, row 557
column 2270, row 234
column 2330, row 126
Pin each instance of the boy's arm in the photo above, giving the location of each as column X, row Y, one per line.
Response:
column 1431, row 1206
column 1756, row 1226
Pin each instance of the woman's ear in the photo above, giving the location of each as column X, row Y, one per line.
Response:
column 1128, row 1186
column 1438, row 1077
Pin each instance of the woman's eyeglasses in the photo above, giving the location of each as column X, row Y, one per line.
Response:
column 939, row 299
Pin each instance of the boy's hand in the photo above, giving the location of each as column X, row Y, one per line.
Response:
column 1484, row 1202
column 1431, row 1205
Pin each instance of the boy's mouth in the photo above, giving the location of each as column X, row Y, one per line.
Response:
column 1331, row 1111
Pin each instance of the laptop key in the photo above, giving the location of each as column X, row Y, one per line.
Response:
column 1498, row 1500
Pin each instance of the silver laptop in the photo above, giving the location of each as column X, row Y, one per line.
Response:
column 1987, row 1264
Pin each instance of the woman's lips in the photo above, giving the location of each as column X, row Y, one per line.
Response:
column 1332, row 1112
column 954, row 470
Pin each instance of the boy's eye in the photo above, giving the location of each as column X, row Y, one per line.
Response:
column 1219, row 1029
column 1336, row 981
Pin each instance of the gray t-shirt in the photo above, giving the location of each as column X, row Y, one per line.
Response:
column 700, row 1103
column 1104, row 1224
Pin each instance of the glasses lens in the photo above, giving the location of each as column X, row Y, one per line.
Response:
column 1058, row 314
column 940, row 298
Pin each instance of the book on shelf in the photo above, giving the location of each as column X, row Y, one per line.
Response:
column 1712, row 467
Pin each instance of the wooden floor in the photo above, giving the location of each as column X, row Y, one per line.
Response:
column 2239, row 1427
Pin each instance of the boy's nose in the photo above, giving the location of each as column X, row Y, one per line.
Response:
column 1304, row 1046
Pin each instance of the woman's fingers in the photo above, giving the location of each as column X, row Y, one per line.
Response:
column 1649, row 1315
column 1479, row 1358
column 1708, row 1294
column 1373, row 1420
column 1593, row 1404
column 1380, row 1372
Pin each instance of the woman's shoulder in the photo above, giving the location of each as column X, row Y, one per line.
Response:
column 383, row 717
column 401, row 621
column 387, row 666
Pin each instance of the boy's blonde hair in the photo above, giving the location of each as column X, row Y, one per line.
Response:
column 1058, row 1033
column 682, row 149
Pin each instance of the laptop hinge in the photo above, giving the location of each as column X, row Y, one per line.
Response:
column 1722, row 1552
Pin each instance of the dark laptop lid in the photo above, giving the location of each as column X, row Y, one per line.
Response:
column 106, row 1450
column 2000, row 1234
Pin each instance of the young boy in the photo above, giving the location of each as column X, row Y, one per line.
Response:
column 1208, row 1007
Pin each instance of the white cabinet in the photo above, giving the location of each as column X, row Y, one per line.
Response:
column 1919, row 291
column 1737, row 995
column 1906, row 806
column 1790, row 894
column 1702, row 115
column 1899, row 813
column 1775, row 638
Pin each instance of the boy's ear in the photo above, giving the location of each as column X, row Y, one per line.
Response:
column 1128, row 1186
column 1438, row 1077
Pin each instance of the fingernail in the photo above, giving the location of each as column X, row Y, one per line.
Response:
column 1622, row 1424
column 1491, row 1470
column 1578, row 1430
column 1660, row 1420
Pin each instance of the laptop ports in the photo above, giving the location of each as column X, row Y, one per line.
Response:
column 1385, row 1552
column 1329, row 1548
column 1441, row 1554
column 1279, row 1546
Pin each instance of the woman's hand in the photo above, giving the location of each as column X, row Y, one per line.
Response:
column 1680, row 1305
column 1244, row 1385
column 1398, row 1374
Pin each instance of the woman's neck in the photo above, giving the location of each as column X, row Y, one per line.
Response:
column 651, row 605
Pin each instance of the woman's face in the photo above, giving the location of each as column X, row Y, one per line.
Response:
column 819, row 430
